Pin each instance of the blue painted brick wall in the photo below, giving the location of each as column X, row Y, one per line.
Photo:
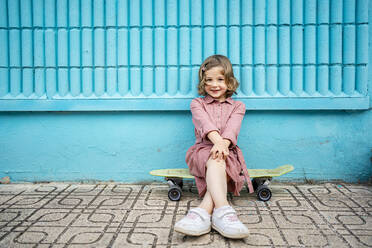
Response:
column 112, row 80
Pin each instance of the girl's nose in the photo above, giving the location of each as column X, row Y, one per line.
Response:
column 214, row 83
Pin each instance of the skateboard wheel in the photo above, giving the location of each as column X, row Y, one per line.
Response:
column 174, row 193
column 263, row 193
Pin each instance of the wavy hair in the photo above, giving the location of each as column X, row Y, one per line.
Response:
column 218, row 61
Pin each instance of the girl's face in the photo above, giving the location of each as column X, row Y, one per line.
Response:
column 215, row 84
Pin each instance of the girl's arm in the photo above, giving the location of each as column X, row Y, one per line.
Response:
column 233, row 124
column 220, row 149
column 215, row 137
column 206, row 129
column 201, row 120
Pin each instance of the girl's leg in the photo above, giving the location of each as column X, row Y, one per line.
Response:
column 207, row 203
column 216, row 182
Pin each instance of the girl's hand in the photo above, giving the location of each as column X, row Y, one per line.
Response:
column 219, row 151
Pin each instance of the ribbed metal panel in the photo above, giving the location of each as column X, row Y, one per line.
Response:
column 150, row 50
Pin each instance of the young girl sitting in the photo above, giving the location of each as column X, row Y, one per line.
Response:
column 215, row 160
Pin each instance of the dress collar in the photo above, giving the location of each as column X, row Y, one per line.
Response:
column 208, row 99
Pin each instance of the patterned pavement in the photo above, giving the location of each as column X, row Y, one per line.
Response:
column 135, row 215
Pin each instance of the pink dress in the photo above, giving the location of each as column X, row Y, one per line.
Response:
column 226, row 117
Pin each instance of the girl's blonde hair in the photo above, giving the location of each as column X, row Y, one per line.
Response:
column 215, row 61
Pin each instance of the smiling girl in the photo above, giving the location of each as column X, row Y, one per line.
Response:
column 215, row 159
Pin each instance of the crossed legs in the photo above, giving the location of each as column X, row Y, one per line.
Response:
column 217, row 179
column 224, row 220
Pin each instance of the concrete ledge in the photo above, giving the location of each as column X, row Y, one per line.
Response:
column 182, row 103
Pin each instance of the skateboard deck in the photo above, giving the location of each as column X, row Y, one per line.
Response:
column 260, row 180
column 253, row 173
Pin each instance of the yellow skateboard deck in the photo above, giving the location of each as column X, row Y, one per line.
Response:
column 253, row 173
column 261, row 179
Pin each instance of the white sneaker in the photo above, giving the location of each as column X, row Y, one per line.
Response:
column 197, row 222
column 226, row 222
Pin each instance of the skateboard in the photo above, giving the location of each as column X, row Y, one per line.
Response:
column 261, row 179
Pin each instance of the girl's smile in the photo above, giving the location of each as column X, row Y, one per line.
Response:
column 215, row 84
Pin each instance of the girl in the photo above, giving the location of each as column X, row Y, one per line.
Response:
column 215, row 160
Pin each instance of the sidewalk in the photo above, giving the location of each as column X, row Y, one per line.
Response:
column 133, row 215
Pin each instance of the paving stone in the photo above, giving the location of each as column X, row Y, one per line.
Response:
column 136, row 215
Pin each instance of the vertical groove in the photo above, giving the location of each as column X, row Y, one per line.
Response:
column 240, row 44
column 215, row 26
column 202, row 30
column 316, row 48
column 253, row 47
column 20, row 45
column 8, row 45
column 56, row 44
column 266, row 86
column 69, row 88
column 128, row 45
column 303, row 48
column 153, row 47
column 105, row 48
column 81, row 49
column 93, row 50
column 116, row 48
column 178, row 90
column 355, row 46
column 190, row 46
column 228, row 29
column 329, row 48
column 166, row 45
column 141, row 45
column 129, row 54
column 290, row 48
column 277, row 49
column 342, row 47
column 44, row 51
column 33, row 50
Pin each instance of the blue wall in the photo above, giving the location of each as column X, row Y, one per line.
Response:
column 78, row 55
column 125, row 146
column 123, row 73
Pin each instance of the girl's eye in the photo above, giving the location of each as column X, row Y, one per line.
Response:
column 208, row 79
column 221, row 79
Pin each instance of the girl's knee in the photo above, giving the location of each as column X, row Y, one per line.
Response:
column 215, row 162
